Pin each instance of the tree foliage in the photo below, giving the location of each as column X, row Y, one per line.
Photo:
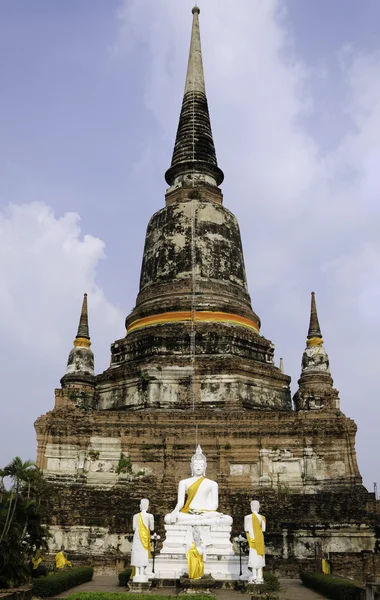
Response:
column 21, row 529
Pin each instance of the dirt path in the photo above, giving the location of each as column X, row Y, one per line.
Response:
column 291, row 589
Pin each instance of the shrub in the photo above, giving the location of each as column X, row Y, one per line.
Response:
column 59, row 582
column 125, row 576
column 132, row 596
column 271, row 581
column 335, row 588
column 124, row 465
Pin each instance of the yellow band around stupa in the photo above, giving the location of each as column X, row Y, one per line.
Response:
column 198, row 316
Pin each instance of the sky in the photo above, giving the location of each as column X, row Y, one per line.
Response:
column 89, row 105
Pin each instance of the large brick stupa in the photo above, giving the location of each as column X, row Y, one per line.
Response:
column 193, row 367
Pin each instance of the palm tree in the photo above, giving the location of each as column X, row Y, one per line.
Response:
column 2, row 486
column 19, row 472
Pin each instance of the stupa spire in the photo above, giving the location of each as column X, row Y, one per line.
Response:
column 314, row 328
column 83, row 331
column 315, row 384
column 194, row 157
column 80, row 364
column 195, row 79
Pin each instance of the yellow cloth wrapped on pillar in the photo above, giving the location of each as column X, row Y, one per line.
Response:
column 258, row 541
column 195, row 563
column 191, row 494
column 61, row 561
column 144, row 534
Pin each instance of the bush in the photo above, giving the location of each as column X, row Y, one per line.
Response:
column 271, row 581
column 125, row 576
column 335, row 588
column 132, row 596
column 59, row 582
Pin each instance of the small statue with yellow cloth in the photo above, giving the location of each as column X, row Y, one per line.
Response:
column 143, row 524
column 196, row 555
column 254, row 526
column 61, row 561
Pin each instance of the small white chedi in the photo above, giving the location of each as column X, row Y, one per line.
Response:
column 254, row 526
column 143, row 524
column 196, row 512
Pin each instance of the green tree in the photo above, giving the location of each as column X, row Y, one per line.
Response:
column 21, row 528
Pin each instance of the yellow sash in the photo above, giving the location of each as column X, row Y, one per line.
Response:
column 325, row 567
column 191, row 494
column 195, row 563
column 61, row 561
column 37, row 559
column 144, row 534
column 258, row 542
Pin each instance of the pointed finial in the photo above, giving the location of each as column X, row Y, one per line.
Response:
column 281, row 365
column 195, row 9
column 83, row 335
column 195, row 80
column 194, row 157
column 314, row 328
column 198, row 454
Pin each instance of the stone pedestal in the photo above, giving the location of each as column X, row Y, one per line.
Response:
column 221, row 561
column 140, row 587
column 222, row 568
column 217, row 539
column 204, row 585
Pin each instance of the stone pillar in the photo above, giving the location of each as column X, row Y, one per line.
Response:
column 309, row 458
column 285, row 548
column 265, row 464
column 369, row 592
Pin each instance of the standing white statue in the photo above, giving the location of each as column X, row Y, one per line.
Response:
column 254, row 526
column 143, row 524
column 197, row 500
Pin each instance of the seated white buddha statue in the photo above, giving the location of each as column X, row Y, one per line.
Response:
column 197, row 498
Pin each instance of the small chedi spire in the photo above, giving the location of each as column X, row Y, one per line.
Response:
column 194, row 158
column 314, row 328
column 80, row 364
column 83, row 335
column 315, row 384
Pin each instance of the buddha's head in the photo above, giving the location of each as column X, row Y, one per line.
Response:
column 144, row 504
column 198, row 462
column 255, row 506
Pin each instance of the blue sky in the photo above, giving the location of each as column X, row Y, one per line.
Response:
column 90, row 98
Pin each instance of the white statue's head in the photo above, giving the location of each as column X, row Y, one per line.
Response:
column 144, row 504
column 198, row 462
column 255, row 506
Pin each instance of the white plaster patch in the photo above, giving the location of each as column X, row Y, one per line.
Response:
column 87, row 540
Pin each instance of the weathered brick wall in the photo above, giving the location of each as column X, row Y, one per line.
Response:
column 361, row 566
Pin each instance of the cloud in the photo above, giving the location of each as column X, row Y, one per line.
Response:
column 308, row 209
column 46, row 265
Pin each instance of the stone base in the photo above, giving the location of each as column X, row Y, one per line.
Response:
column 251, row 586
column 217, row 539
column 222, row 568
column 140, row 587
column 261, row 591
column 203, row 585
